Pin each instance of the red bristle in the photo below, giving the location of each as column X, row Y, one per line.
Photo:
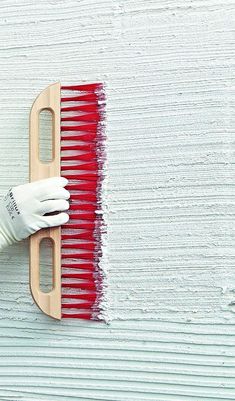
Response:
column 91, row 97
column 85, row 236
column 82, row 167
column 82, row 305
column 83, row 87
column 81, row 226
column 85, row 316
column 84, row 107
column 80, row 137
column 86, row 297
column 82, row 216
column 84, row 197
column 83, row 117
column 92, row 127
column 81, row 177
column 87, row 246
column 85, row 266
column 90, row 286
column 88, row 147
column 88, row 176
column 85, row 207
column 82, row 157
column 80, row 276
column 83, row 256
column 89, row 186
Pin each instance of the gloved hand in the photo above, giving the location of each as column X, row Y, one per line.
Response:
column 23, row 209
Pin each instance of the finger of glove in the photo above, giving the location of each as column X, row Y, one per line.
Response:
column 55, row 220
column 53, row 193
column 49, row 206
column 52, row 181
column 34, row 189
column 48, row 185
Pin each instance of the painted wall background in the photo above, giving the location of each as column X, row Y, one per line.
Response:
column 169, row 68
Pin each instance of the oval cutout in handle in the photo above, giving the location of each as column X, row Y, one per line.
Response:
column 45, row 135
column 46, row 265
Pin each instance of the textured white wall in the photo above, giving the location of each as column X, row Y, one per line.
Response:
column 169, row 68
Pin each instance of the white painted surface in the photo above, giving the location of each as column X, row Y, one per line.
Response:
column 169, row 67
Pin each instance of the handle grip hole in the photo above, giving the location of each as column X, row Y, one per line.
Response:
column 46, row 124
column 46, row 265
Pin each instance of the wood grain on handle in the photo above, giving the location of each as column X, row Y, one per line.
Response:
column 49, row 303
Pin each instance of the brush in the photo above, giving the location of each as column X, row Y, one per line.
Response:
column 78, row 154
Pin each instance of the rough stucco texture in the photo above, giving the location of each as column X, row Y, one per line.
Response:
column 169, row 66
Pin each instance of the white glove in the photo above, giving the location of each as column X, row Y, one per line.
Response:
column 23, row 209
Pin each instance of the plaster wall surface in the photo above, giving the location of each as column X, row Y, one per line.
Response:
column 169, row 70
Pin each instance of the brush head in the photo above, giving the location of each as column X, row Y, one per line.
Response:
column 82, row 161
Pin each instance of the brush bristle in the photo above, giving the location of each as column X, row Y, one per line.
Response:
column 82, row 159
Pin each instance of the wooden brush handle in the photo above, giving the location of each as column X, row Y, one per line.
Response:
column 49, row 99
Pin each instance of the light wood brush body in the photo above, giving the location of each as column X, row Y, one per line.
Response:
column 84, row 123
